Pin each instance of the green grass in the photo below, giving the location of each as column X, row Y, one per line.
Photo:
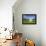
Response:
column 27, row 21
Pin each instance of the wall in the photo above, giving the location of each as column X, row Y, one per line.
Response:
column 43, row 22
column 6, row 13
column 6, row 16
column 32, row 32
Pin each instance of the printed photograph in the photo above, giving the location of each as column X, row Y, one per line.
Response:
column 29, row 19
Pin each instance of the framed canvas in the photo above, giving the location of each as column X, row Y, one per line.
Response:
column 29, row 18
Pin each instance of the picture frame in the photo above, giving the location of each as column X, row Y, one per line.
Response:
column 29, row 19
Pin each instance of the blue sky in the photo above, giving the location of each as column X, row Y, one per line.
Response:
column 29, row 17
